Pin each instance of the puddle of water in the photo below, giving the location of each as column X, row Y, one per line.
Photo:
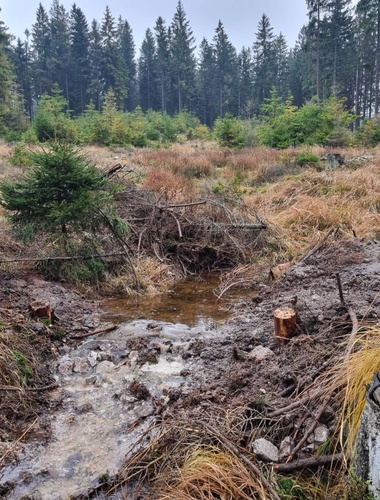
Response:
column 192, row 302
column 100, row 421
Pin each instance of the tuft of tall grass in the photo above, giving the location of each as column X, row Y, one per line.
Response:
column 209, row 472
column 348, row 381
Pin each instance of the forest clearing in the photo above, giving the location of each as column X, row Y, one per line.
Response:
column 190, row 255
column 192, row 406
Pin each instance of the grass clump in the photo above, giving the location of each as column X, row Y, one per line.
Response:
column 209, row 472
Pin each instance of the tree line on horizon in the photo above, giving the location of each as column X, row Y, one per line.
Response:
column 337, row 54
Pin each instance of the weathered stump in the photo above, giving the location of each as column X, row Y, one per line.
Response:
column 41, row 310
column 285, row 324
column 367, row 449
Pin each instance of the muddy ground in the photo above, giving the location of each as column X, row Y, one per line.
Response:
column 237, row 369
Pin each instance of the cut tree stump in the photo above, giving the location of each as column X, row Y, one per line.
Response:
column 285, row 324
column 38, row 310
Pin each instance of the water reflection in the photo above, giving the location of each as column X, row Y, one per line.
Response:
column 192, row 302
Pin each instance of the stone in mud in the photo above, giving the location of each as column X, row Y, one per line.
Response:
column 84, row 408
column 261, row 353
column 321, row 434
column 285, row 448
column 265, row 450
column 66, row 367
column 92, row 359
column 38, row 327
column 80, row 365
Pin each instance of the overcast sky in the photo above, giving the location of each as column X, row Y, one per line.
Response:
column 239, row 17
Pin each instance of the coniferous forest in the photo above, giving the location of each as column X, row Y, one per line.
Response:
column 92, row 68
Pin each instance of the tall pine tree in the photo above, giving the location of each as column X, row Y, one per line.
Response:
column 182, row 59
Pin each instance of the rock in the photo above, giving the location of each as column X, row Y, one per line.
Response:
column 92, row 359
column 80, row 365
column 105, row 366
column 265, row 450
column 38, row 327
column 84, row 408
column 66, row 367
column 261, row 353
column 321, row 434
column 285, row 448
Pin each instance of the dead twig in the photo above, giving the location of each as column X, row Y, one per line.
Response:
column 311, row 429
column 295, row 405
column 18, row 440
column 354, row 320
column 235, row 283
column 72, row 257
column 311, row 462
column 97, row 332
column 317, row 246
column 28, row 389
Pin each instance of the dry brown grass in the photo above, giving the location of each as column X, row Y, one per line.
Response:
column 186, row 460
column 173, row 186
column 349, row 379
column 154, row 277
column 308, row 204
column 208, row 472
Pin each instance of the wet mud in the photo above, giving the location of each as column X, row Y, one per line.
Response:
column 111, row 387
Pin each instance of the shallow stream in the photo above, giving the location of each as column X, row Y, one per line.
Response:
column 99, row 419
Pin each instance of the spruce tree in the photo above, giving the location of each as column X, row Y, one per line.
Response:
column 206, row 75
column 127, row 51
column 245, row 103
column 60, row 47
column 97, row 84
column 113, row 66
column 182, row 59
column 148, row 72
column 80, row 70
column 264, row 63
column 226, row 71
column 41, row 51
column 163, row 62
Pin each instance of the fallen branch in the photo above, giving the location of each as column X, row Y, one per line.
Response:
column 304, row 463
column 28, row 389
column 72, row 257
column 183, row 205
column 354, row 320
column 311, row 429
column 97, row 332
column 18, row 440
column 317, row 246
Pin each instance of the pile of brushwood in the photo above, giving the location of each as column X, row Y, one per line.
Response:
column 204, row 234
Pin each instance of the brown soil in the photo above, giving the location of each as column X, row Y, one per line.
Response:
column 38, row 343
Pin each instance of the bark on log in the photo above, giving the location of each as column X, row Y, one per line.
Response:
column 285, row 324
column 311, row 462
column 367, row 449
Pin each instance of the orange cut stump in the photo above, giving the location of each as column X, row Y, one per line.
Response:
column 285, row 324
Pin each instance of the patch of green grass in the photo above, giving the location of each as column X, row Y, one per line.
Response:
column 24, row 366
